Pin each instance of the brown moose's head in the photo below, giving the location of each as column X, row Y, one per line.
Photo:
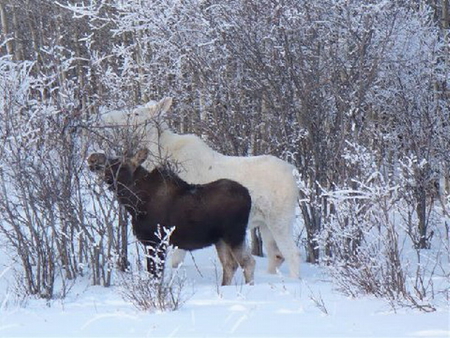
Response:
column 116, row 170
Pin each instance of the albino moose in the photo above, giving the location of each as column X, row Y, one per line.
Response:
column 202, row 215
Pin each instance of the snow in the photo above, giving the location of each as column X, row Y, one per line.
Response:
column 276, row 306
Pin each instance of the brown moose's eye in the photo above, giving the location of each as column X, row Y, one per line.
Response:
column 95, row 167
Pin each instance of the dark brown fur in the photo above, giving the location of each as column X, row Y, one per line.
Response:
column 214, row 213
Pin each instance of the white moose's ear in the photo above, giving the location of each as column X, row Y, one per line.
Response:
column 158, row 109
column 165, row 104
column 140, row 157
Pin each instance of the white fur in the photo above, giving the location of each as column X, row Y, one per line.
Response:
column 270, row 180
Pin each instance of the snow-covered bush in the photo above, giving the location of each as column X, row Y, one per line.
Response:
column 367, row 243
column 55, row 225
column 159, row 292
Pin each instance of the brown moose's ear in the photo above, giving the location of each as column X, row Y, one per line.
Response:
column 140, row 157
column 96, row 161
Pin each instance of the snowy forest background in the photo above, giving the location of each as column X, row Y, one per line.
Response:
column 354, row 93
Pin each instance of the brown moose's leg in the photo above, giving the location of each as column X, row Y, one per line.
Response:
column 245, row 259
column 229, row 264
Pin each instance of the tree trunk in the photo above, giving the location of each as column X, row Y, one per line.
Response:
column 312, row 219
column 5, row 29
column 421, row 209
column 257, row 248
column 18, row 50
column 445, row 20
column 123, row 240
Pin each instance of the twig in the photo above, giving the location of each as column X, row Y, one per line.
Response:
column 195, row 264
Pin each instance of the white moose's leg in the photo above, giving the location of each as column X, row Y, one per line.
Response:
column 273, row 252
column 178, row 256
column 229, row 264
column 285, row 242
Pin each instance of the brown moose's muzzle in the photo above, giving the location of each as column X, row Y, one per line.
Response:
column 96, row 162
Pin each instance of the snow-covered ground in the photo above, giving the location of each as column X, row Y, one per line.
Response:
column 275, row 306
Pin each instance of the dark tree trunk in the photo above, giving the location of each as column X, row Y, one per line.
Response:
column 123, row 263
column 257, row 245
column 423, row 241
